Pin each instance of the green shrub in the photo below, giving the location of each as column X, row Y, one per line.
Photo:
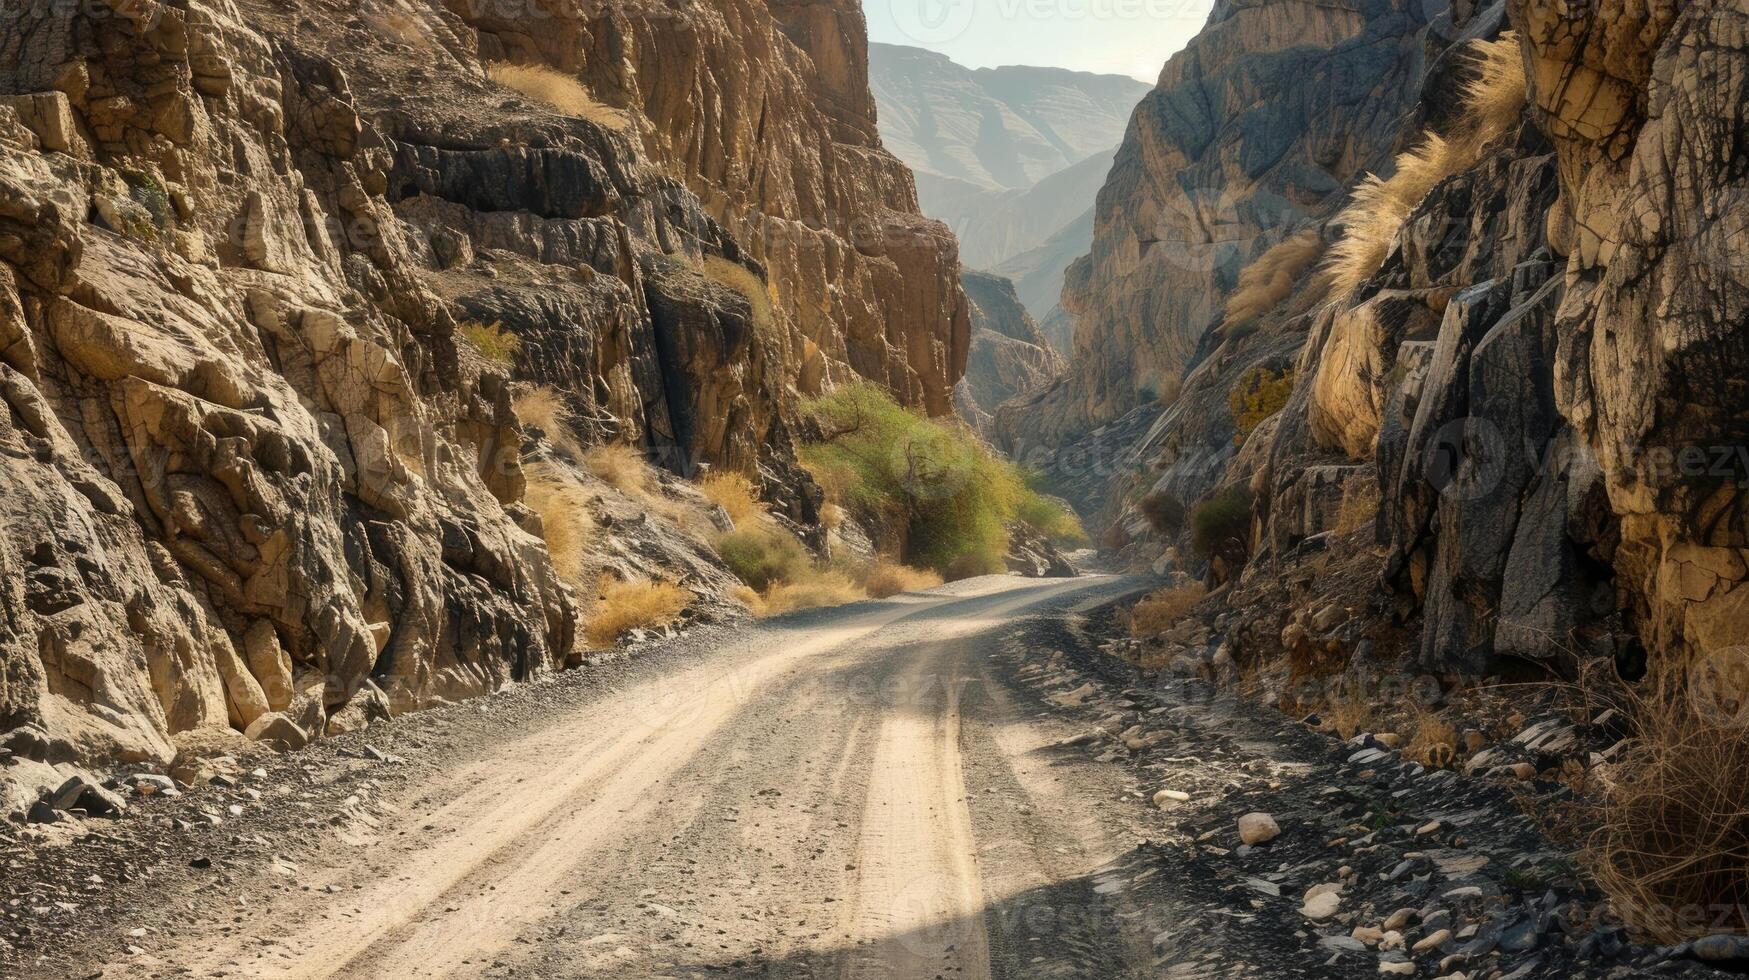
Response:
column 952, row 496
column 491, row 339
column 1164, row 512
column 1049, row 518
column 1220, row 527
column 763, row 556
column 1259, row 394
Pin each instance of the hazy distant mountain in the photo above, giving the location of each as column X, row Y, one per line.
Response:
column 1037, row 274
column 995, row 226
column 995, row 128
column 1011, row 158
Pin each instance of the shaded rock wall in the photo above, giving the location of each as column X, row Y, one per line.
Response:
column 764, row 113
column 1539, row 391
column 1009, row 355
column 1259, row 125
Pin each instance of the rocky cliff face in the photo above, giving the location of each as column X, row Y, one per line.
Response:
column 765, row 113
column 1529, row 405
column 1010, row 356
column 1256, row 128
column 253, row 474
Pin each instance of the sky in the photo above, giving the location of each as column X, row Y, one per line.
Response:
column 1119, row 37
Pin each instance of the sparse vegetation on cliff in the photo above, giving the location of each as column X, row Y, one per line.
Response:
column 492, row 341
column 620, row 465
column 1493, row 102
column 543, row 408
column 950, row 495
column 1272, row 278
column 1220, row 527
column 557, row 89
column 565, row 520
column 1259, row 394
column 733, row 275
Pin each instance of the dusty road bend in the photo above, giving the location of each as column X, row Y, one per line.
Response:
column 854, row 793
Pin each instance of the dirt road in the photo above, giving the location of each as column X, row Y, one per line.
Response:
column 853, row 794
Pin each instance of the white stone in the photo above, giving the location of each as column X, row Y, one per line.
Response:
column 1258, row 828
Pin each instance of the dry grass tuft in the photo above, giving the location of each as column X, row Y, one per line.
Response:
column 491, row 339
column 1360, row 509
column 888, row 578
column 1493, row 102
column 1495, row 98
column 541, row 407
column 1671, row 839
column 741, row 279
column 566, row 522
column 734, row 493
column 544, row 408
column 816, row 591
column 1270, row 279
column 557, row 89
column 633, row 604
column 1348, row 714
column 1434, row 742
column 1163, row 610
column 620, row 466
column 1379, row 208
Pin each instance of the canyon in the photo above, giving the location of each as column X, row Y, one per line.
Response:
column 409, row 407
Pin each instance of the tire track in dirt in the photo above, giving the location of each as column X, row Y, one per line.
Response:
column 918, row 910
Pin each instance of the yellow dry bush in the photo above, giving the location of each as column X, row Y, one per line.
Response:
column 816, row 591
column 1493, row 101
column 1360, row 509
column 1434, row 741
column 620, row 466
column 889, row 578
column 734, row 493
column 1271, row 279
column 491, row 339
column 1162, row 610
column 544, row 408
column 541, row 407
column 741, row 279
column 557, row 89
column 1348, row 714
column 1670, row 844
column 566, row 522
column 1258, row 395
column 831, row 516
column 632, row 604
